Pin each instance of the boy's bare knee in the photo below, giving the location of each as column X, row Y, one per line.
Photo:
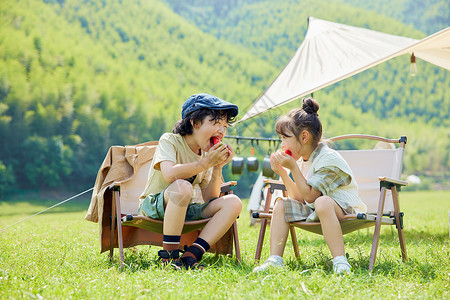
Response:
column 235, row 203
column 180, row 192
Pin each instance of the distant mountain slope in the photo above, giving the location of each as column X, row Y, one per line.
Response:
column 79, row 76
column 428, row 16
column 383, row 96
column 83, row 75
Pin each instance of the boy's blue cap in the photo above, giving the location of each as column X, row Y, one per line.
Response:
column 197, row 101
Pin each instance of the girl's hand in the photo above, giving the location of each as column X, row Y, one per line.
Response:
column 276, row 166
column 285, row 160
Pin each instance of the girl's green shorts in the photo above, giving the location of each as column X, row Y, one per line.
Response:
column 153, row 207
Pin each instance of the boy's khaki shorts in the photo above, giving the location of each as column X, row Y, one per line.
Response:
column 153, row 207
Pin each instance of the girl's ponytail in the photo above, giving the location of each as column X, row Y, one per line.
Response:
column 310, row 106
column 299, row 119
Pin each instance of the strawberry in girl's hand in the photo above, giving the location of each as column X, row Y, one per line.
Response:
column 214, row 141
column 288, row 152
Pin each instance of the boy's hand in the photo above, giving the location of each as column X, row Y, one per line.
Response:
column 219, row 155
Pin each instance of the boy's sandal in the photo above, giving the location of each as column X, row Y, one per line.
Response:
column 190, row 263
column 171, row 258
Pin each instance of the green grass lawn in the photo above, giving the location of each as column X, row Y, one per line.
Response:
column 56, row 255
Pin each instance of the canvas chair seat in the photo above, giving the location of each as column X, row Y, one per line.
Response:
column 119, row 184
column 377, row 172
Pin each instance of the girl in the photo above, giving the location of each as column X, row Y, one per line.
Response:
column 189, row 156
column 323, row 187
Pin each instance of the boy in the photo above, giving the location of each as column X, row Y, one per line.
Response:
column 192, row 154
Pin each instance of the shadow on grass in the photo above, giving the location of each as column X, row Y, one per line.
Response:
column 139, row 259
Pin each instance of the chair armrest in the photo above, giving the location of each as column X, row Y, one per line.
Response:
column 226, row 186
column 275, row 185
column 114, row 186
column 390, row 182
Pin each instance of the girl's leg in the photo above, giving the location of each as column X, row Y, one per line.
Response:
column 223, row 212
column 279, row 229
column 176, row 200
column 329, row 213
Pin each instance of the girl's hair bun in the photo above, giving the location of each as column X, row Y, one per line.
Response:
column 310, row 106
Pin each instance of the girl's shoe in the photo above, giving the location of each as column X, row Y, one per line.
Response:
column 274, row 261
column 341, row 265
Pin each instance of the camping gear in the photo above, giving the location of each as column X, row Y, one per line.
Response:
column 252, row 161
column 237, row 165
column 267, row 169
column 252, row 164
column 358, row 49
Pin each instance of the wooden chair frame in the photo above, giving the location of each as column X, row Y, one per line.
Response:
column 350, row 222
column 149, row 231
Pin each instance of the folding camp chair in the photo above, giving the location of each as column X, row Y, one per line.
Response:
column 377, row 172
column 115, row 201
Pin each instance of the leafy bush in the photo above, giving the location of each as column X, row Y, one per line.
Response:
column 7, row 180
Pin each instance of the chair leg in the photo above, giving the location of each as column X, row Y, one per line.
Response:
column 376, row 234
column 113, row 227
column 119, row 227
column 259, row 246
column 401, row 237
column 262, row 230
column 294, row 241
column 236, row 242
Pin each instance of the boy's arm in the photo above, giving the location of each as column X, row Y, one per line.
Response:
column 171, row 171
column 213, row 189
column 219, row 156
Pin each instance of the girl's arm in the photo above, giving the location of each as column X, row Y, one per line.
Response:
column 309, row 193
column 291, row 188
column 299, row 185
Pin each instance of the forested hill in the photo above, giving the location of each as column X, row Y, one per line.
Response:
column 79, row 76
column 384, row 100
column 428, row 16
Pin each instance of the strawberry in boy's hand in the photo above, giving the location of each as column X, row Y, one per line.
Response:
column 214, row 141
column 288, row 152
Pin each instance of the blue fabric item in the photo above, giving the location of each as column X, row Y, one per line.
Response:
column 202, row 243
column 202, row 100
column 171, row 238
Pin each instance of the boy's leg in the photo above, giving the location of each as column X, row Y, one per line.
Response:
column 176, row 200
column 223, row 212
column 329, row 213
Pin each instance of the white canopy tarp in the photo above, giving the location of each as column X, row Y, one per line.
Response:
column 332, row 52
